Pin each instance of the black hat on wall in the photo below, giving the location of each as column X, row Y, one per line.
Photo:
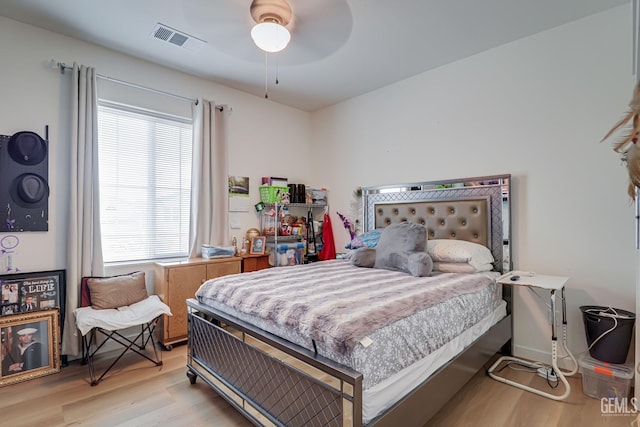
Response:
column 27, row 148
column 24, row 187
column 29, row 190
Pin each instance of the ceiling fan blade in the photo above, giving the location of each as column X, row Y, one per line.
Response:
column 318, row 29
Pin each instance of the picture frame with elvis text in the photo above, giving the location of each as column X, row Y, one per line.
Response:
column 32, row 291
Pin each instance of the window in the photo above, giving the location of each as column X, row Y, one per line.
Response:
column 145, row 183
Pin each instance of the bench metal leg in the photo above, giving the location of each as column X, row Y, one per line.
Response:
column 136, row 345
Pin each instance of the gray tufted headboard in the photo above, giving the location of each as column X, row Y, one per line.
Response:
column 448, row 219
column 470, row 212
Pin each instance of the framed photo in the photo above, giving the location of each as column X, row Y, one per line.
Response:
column 30, row 346
column 258, row 245
column 26, row 292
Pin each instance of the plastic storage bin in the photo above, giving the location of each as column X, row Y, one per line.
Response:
column 209, row 251
column 602, row 379
column 319, row 196
column 287, row 253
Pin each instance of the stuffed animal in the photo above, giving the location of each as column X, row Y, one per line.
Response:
column 402, row 247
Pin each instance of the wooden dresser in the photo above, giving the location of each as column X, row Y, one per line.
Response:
column 175, row 282
column 254, row 262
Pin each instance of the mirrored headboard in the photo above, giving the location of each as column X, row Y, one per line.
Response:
column 473, row 209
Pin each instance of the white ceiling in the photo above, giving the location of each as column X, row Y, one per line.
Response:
column 339, row 48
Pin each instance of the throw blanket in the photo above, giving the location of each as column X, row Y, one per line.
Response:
column 334, row 302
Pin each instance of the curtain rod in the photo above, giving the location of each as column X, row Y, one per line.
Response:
column 145, row 88
column 63, row 67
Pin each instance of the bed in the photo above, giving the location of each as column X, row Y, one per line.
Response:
column 304, row 345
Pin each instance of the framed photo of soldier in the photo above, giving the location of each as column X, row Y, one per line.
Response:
column 29, row 346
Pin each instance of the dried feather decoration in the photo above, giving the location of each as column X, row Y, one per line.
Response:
column 628, row 144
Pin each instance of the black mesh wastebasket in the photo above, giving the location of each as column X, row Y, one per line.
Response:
column 614, row 326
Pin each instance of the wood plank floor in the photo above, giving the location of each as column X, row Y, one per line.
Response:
column 484, row 401
column 137, row 393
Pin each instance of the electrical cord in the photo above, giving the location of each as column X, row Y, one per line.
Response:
column 599, row 312
column 533, row 368
column 550, row 382
column 524, row 365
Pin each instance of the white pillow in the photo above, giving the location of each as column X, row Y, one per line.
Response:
column 460, row 251
column 458, row 267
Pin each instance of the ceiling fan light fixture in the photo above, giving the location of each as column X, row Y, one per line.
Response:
column 271, row 17
column 270, row 36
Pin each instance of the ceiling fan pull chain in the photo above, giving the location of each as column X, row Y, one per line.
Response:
column 266, row 75
column 277, row 70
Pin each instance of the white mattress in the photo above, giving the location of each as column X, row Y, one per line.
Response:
column 383, row 395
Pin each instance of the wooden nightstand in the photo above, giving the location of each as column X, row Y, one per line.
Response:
column 254, row 262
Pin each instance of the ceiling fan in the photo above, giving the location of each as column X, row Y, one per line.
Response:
column 317, row 28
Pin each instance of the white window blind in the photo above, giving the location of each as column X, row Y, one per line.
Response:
column 145, row 183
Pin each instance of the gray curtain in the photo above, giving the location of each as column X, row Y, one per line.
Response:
column 84, row 250
column 210, row 170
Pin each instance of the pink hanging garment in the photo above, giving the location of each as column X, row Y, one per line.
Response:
column 328, row 247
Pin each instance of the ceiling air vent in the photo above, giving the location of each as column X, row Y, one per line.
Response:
column 178, row 38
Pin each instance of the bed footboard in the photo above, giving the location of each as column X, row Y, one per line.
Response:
column 276, row 383
column 232, row 358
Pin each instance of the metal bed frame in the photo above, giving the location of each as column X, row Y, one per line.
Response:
column 274, row 382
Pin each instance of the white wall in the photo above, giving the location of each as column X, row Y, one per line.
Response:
column 262, row 134
column 536, row 109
